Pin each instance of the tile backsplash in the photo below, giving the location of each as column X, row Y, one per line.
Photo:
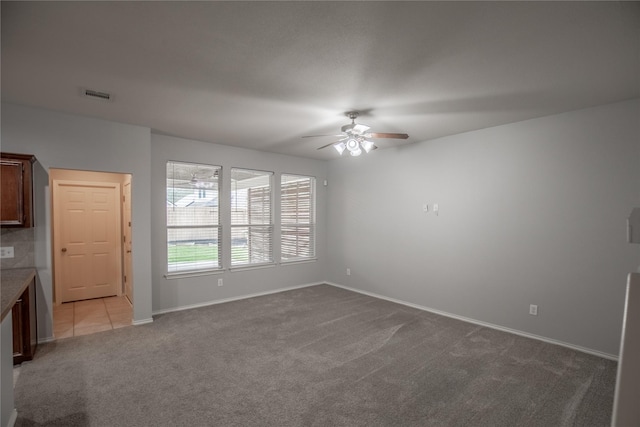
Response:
column 22, row 240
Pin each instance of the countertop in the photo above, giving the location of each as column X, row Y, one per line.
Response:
column 13, row 282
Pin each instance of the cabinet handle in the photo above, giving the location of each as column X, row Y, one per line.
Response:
column 64, row 249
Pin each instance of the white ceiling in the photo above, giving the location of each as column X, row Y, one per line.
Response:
column 262, row 74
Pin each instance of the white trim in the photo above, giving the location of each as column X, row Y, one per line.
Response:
column 13, row 418
column 222, row 301
column 46, row 340
column 193, row 273
column 299, row 261
column 142, row 322
column 485, row 324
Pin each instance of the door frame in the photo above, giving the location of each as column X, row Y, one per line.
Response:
column 127, row 246
column 83, row 177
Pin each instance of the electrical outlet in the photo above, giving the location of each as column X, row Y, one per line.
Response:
column 220, row 283
column 533, row 310
column 348, row 272
column 6, row 252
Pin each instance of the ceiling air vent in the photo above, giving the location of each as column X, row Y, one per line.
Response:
column 94, row 94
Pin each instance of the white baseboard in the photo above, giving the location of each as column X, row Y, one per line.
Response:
column 46, row 340
column 480, row 323
column 241, row 297
column 13, row 418
column 142, row 322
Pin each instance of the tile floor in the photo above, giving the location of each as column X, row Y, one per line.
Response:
column 90, row 316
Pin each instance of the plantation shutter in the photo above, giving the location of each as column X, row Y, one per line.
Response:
column 260, row 236
column 297, row 231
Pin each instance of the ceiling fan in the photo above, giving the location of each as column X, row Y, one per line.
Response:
column 356, row 137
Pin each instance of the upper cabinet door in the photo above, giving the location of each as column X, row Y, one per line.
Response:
column 15, row 190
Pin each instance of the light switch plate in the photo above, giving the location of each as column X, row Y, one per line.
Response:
column 6, row 252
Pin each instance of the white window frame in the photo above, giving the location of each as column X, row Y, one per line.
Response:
column 202, row 266
column 264, row 229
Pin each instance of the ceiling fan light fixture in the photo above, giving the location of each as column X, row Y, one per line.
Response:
column 353, row 144
column 367, row 145
column 355, row 152
column 340, row 147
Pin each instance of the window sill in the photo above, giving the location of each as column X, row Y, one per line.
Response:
column 299, row 261
column 252, row 267
column 187, row 274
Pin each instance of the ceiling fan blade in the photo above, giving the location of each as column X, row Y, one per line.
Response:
column 355, row 128
column 318, row 136
column 387, row 135
column 328, row 145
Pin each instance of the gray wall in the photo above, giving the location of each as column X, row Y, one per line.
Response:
column 530, row 213
column 66, row 141
column 42, row 252
column 189, row 291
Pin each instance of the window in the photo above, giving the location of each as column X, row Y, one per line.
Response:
column 298, row 215
column 193, row 217
column 251, row 217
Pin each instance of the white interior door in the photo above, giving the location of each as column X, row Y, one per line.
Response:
column 126, row 210
column 87, row 240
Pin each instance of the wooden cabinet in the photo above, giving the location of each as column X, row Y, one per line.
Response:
column 16, row 190
column 25, row 327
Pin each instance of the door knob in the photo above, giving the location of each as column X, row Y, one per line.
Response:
column 64, row 249
column 128, row 252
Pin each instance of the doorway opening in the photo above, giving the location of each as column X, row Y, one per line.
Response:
column 91, row 251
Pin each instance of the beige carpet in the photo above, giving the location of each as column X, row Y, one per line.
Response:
column 318, row 356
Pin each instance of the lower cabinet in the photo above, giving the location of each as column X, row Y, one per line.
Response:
column 25, row 332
